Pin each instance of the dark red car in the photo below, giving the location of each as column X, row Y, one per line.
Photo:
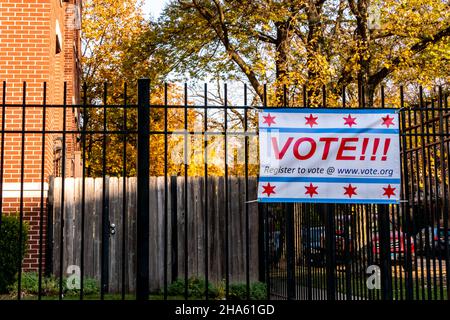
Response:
column 398, row 247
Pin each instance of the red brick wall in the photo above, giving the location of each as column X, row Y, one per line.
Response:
column 31, row 209
column 28, row 54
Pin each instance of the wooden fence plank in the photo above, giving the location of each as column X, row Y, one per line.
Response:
column 180, row 219
column 131, row 233
column 97, row 216
column 254, row 230
column 56, row 225
column 115, row 210
column 77, row 221
column 69, row 234
column 89, row 233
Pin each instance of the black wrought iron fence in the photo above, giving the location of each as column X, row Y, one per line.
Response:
column 372, row 252
column 157, row 200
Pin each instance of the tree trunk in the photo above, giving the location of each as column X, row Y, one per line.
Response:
column 314, row 47
column 281, row 61
column 370, row 95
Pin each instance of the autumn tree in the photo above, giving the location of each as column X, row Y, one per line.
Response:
column 113, row 62
column 318, row 42
column 409, row 43
column 115, row 36
column 109, row 36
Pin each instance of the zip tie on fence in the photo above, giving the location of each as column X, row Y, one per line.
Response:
column 256, row 109
column 398, row 110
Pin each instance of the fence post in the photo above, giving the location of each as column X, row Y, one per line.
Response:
column 143, row 189
column 385, row 252
column 267, row 256
column 264, row 246
column 261, row 244
column 50, row 232
column 330, row 243
column 105, row 238
column 405, row 207
column 290, row 251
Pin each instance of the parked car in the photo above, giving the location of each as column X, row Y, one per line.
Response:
column 277, row 247
column 313, row 241
column 318, row 249
column 344, row 247
column 435, row 243
column 398, row 248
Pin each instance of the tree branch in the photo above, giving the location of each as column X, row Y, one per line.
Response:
column 222, row 33
column 420, row 46
column 266, row 38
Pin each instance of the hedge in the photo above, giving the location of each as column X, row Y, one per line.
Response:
column 11, row 255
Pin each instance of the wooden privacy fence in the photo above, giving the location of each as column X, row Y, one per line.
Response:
column 120, row 259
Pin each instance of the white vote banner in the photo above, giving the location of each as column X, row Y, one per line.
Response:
column 329, row 156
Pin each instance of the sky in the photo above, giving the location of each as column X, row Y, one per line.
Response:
column 153, row 7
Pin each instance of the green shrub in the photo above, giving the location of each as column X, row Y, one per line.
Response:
column 30, row 285
column 11, row 255
column 50, row 286
column 258, row 291
column 176, row 288
column 238, row 291
column 196, row 288
column 90, row 287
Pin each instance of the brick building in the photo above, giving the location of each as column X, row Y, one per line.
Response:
column 39, row 43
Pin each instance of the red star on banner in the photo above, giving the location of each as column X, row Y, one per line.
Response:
column 311, row 120
column 388, row 121
column 268, row 189
column 389, row 191
column 311, row 190
column 349, row 121
column 269, row 119
column 350, row 191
